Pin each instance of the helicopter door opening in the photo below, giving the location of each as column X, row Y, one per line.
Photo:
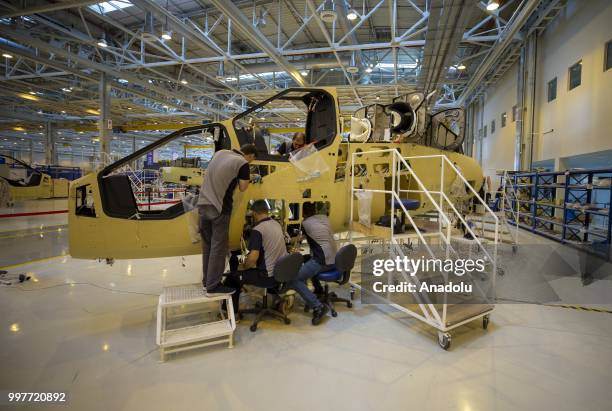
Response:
column 273, row 123
column 143, row 185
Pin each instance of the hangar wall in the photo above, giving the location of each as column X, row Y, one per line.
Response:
column 497, row 147
column 580, row 117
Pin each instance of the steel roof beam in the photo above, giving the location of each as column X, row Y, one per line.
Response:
column 517, row 21
column 95, row 66
column 48, row 7
column 250, row 32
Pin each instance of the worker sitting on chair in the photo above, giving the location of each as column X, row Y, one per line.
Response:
column 266, row 246
column 318, row 232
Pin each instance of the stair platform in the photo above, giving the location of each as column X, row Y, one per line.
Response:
column 192, row 336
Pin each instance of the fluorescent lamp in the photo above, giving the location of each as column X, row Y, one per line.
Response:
column 492, row 5
column 7, row 55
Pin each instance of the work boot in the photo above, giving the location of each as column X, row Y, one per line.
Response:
column 318, row 314
column 220, row 290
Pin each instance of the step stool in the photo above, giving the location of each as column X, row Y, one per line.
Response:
column 195, row 336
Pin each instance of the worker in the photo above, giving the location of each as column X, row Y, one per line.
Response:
column 320, row 237
column 297, row 142
column 266, row 246
column 226, row 170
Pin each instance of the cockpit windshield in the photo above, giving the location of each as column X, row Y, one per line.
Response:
column 288, row 121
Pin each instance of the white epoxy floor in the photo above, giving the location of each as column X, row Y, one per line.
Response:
column 89, row 329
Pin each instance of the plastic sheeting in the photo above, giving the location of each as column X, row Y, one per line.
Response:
column 190, row 205
column 364, row 207
column 309, row 163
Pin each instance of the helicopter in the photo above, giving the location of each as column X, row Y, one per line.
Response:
column 106, row 221
column 35, row 186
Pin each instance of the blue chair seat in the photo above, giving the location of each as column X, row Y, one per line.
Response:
column 331, row 275
column 409, row 204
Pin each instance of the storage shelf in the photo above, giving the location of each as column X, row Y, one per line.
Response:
column 585, row 212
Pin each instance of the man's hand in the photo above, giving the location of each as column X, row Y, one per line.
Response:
column 255, row 178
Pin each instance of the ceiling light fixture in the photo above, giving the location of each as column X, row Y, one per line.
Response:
column 102, row 42
column 304, row 72
column 492, row 5
column 7, row 55
column 461, row 66
column 352, row 15
column 183, row 81
column 368, row 69
column 166, row 35
column 123, row 81
column 221, row 72
column 328, row 13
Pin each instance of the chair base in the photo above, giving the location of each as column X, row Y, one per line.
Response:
column 262, row 310
column 330, row 298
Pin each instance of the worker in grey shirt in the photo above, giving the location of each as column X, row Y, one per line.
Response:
column 320, row 237
column 266, row 246
column 226, row 170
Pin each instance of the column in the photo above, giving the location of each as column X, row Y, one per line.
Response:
column 50, row 151
column 105, row 126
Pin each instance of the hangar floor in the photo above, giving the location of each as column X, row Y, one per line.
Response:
column 89, row 329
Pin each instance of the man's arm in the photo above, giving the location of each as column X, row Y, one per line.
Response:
column 244, row 177
column 255, row 242
column 250, row 261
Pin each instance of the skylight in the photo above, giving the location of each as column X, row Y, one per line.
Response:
column 108, row 6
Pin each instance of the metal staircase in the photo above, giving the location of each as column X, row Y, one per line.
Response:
column 505, row 208
column 453, row 239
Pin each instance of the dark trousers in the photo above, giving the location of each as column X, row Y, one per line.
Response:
column 254, row 276
column 214, row 229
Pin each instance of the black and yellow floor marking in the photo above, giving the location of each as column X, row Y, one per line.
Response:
column 581, row 308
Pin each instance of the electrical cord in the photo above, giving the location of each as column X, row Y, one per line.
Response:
column 90, row 284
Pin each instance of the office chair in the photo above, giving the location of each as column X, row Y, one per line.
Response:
column 344, row 263
column 286, row 269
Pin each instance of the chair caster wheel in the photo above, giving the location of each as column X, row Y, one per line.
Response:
column 349, row 304
column 287, row 320
column 444, row 340
column 253, row 328
column 334, row 314
column 352, row 294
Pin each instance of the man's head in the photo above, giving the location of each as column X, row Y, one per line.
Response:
column 260, row 209
column 308, row 210
column 249, row 151
column 299, row 139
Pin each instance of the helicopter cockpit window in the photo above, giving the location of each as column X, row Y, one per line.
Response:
column 152, row 182
column 19, row 174
column 272, row 124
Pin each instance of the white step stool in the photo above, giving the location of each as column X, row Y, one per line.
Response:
column 195, row 336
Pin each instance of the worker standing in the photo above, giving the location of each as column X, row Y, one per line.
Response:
column 226, row 170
